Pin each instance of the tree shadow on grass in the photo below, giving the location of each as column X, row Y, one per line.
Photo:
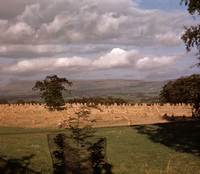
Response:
column 183, row 136
column 172, row 118
column 16, row 166
column 67, row 158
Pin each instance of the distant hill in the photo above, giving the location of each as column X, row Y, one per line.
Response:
column 134, row 90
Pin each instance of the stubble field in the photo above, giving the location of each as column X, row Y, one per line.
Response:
column 37, row 116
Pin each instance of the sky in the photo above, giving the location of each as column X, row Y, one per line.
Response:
column 94, row 39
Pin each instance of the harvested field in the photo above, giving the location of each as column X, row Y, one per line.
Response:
column 37, row 116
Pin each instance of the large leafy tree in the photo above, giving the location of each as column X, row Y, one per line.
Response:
column 51, row 91
column 191, row 37
column 183, row 90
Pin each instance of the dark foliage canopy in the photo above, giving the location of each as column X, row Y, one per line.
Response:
column 193, row 6
column 51, row 91
column 182, row 90
column 3, row 101
column 191, row 37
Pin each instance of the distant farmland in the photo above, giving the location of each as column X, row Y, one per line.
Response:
column 133, row 90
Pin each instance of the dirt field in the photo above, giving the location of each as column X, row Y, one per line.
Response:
column 37, row 116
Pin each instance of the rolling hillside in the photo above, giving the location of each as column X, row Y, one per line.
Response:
column 134, row 90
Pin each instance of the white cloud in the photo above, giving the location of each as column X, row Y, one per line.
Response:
column 29, row 51
column 155, row 62
column 72, row 62
column 110, row 23
column 15, row 32
column 169, row 38
column 76, row 36
column 97, row 21
column 116, row 58
column 30, row 65
column 19, row 29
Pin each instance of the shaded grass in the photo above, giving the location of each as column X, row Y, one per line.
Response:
column 16, row 166
column 183, row 136
column 131, row 152
column 129, row 149
column 20, row 145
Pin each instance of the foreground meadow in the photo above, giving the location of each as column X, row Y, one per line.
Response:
column 170, row 148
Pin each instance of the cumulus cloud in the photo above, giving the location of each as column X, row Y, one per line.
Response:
column 30, row 51
column 78, row 36
column 169, row 38
column 65, row 21
column 116, row 58
column 147, row 63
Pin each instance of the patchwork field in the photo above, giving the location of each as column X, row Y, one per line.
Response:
column 146, row 149
column 37, row 116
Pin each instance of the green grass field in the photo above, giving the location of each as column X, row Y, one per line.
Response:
column 154, row 149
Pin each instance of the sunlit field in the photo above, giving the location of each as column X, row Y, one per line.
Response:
column 37, row 116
